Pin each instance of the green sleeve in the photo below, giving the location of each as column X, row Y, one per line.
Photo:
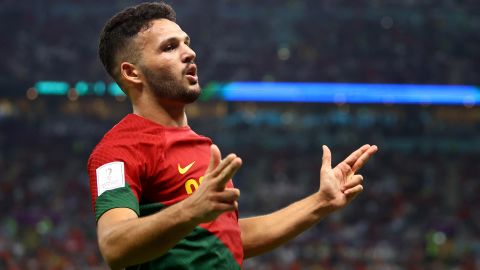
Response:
column 116, row 198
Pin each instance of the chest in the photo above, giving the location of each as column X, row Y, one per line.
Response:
column 175, row 170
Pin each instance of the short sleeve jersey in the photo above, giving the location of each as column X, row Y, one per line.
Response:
column 146, row 167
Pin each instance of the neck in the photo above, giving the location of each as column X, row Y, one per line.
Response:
column 164, row 112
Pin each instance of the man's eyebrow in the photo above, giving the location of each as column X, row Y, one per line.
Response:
column 186, row 39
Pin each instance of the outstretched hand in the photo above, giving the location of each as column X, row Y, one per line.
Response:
column 340, row 185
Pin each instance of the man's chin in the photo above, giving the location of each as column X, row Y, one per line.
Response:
column 192, row 94
column 186, row 93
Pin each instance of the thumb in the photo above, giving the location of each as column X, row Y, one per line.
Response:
column 326, row 159
column 215, row 157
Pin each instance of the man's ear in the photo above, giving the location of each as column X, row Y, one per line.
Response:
column 130, row 73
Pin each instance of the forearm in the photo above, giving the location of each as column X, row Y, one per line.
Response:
column 138, row 240
column 264, row 233
column 125, row 240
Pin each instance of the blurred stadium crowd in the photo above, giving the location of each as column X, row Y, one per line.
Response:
column 420, row 208
column 348, row 41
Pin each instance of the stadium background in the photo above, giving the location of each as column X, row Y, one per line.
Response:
column 420, row 208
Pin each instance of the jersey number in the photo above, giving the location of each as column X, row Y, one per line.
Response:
column 192, row 184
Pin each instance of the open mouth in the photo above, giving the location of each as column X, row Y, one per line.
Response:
column 191, row 73
column 191, row 70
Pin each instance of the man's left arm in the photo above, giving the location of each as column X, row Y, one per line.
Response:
column 338, row 187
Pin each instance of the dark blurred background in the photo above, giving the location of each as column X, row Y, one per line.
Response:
column 421, row 204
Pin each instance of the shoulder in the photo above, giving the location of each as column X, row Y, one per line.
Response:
column 129, row 140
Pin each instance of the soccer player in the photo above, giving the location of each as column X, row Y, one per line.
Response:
column 163, row 196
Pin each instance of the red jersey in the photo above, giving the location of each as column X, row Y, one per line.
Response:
column 144, row 166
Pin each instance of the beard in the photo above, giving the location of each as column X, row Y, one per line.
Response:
column 164, row 85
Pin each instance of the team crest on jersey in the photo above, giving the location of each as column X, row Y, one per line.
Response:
column 110, row 176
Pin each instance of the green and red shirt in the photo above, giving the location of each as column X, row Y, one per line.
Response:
column 144, row 166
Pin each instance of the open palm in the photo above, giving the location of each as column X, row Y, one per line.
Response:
column 341, row 184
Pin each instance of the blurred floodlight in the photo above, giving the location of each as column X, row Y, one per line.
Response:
column 350, row 93
column 115, row 90
column 32, row 93
column 52, row 88
column 82, row 88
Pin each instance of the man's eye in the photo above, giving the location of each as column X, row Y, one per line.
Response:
column 169, row 48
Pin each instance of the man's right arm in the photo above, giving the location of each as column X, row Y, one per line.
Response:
column 125, row 239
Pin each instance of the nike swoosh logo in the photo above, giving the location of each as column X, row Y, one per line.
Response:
column 184, row 170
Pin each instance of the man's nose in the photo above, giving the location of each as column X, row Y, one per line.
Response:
column 189, row 55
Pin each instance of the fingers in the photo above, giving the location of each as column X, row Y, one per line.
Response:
column 364, row 157
column 223, row 164
column 353, row 157
column 353, row 187
column 225, row 207
column 354, row 180
column 221, row 171
column 215, row 157
column 230, row 167
column 326, row 159
column 212, row 198
column 229, row 195
column 353, row 192
column 226, row 200
column 357, row 159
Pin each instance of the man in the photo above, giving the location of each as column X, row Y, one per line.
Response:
column 162, row 195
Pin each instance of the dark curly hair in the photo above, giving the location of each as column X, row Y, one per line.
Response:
column 116, row 39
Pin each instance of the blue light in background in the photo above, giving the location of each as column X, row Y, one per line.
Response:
column 301, row 92
column 115, row 90
column 351, row 93
column 52, row 88
column 99, row 88
column 81, row 87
